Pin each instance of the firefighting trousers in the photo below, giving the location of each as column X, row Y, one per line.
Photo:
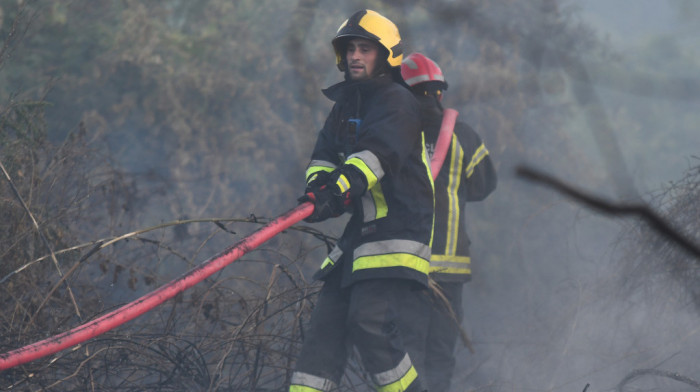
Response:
column 367, row 315
column 442, row 338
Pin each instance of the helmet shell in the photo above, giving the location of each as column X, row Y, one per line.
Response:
column 418, row 68
column 370, row 25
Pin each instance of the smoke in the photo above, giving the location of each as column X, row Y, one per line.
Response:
column 546, row 309
column 212, row 111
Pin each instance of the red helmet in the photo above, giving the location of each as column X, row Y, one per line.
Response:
column 418, row 68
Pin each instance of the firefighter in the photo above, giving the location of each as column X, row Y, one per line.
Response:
column 467, row 175
column 370, row 161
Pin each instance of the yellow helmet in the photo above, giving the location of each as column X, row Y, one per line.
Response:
column 370, row 25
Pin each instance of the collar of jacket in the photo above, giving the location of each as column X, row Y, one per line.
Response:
column 337, row 91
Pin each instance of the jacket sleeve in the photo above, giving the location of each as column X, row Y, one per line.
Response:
column 479, row 174
column 323, row 158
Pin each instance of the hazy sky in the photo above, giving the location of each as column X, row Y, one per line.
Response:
column 626, row 22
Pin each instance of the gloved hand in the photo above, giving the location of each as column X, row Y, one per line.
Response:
column 328, row 203
column 317, row 180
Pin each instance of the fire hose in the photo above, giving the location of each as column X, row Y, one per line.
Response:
column 149, row 301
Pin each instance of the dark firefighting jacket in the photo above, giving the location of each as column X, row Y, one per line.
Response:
column 373, row 132
column 466, row 175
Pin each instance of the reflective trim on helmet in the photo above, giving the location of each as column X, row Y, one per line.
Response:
column 417, row 79
column 423, row 78
column 397, row 379
column 369, row 165
column 478, row 156
column 417, row 68
column 304, row 382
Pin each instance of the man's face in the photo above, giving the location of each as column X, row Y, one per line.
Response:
column 361, row 55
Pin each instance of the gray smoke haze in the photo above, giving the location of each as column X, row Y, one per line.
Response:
column 602, row 94
column 560, row 320
column 544, row 309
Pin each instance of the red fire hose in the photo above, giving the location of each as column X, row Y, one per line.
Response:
column 149, row 301
column 449, row 117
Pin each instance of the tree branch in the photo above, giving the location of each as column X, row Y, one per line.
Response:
column 599, row 204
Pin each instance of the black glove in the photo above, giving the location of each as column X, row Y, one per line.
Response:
column 327, row 203
column 317, row 180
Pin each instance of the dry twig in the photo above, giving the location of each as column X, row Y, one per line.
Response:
column 655, row 372
column 46, row 243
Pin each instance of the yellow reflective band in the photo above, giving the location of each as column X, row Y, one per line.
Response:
column 360, row 164
column 343, row 183
column 402, row 384
column 311, row 178
column 426, row 163
column 302, row 388
column 327, row 262
column 450, row 264
column 392, row 260
column 392, row 375
column 374, row 204
column 450, row 259
column 368, row 164
column 386, row 247
column 478, row 156
column 312, row 172
column 381, row 209
column 317, row 166
column 304, row 382
column 332, row 258
column 452, row 271
column 454, row 179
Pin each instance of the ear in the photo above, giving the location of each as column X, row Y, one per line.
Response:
column 381, row 63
